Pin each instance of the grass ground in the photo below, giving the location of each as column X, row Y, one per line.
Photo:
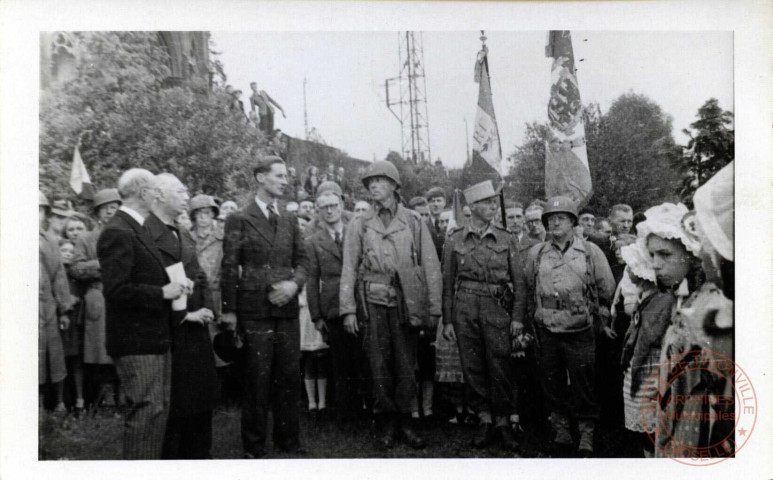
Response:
column 98, row 437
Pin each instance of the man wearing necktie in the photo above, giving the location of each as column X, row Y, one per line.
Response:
column 437, row 203
column 262, row 303
column 322, row 288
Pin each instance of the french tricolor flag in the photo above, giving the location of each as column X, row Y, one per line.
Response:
column 79, row 177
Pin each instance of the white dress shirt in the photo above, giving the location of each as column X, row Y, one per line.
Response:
column 132, row 213
column 264, row 207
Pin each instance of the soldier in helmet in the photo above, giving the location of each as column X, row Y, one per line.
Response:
column 484, row 301
column 379, row 246
column 572, row 286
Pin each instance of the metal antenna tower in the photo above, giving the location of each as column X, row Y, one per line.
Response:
column 412, row 83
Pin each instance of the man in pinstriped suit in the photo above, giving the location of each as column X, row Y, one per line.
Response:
column 138, row 298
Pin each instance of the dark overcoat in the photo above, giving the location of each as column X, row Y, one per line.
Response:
column 133, row 275
column 194, row 377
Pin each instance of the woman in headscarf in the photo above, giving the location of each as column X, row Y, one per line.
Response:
column 674, row 249
column 701, row 327
column 650, row 316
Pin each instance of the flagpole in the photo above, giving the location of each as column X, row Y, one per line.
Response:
column 483, row 39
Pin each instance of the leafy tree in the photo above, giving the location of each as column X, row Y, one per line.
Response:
column 526, row 180
column 711, row 147
column 119, row 109
column 630, row 153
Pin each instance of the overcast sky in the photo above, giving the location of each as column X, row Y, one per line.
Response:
column 346, row 71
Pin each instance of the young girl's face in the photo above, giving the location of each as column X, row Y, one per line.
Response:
column 670, row 260
column 66, row 250
column 75, row 229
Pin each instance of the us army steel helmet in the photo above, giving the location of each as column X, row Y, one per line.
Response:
column 103, row 197
column 382, row 168
column 559, row 205
column 202, row 201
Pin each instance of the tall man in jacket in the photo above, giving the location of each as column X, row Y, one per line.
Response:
column 325, row 246
column 378, row 245
column 138, row 297
column 268, row 249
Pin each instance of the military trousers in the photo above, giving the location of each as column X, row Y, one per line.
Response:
column 572, row 353
column 482, row 329
column 390, row 345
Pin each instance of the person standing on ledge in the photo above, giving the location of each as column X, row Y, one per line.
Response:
column 264, row 104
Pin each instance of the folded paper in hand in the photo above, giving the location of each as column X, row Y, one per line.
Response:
column 176, row 274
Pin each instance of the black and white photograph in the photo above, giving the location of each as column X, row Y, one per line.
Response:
column 511, row 244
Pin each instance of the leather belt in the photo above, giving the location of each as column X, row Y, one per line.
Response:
column 381, row 278
column 480, row 288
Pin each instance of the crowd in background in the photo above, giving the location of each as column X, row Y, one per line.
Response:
column 593, row 307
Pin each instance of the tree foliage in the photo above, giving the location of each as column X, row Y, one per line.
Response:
column 711, row 147
column 630, row 152
column 418, row 178
column 124, row 117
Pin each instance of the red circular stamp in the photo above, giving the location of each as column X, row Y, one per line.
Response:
column 699, row 408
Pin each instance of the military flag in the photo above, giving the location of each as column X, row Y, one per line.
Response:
column 486, row 161
column 566, row 157
column 80, row 181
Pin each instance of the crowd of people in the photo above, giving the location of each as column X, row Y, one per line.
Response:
column 552, row 320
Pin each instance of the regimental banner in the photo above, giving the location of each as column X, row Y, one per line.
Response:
column 566, row 157
column 486, row 162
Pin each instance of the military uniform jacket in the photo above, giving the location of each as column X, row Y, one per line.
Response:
column 492, row 259
column 265, row 257
column 559, row 281
column 370, row 247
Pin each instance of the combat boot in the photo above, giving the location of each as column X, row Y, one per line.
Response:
column 562, row 445
column 586, row 428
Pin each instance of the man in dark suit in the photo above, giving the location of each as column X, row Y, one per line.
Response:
column 194, row 378
column 436, row 198
column 269, row 250
column 322, row 289
column 138, row 297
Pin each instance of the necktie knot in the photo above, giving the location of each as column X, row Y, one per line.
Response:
column 272, row 216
